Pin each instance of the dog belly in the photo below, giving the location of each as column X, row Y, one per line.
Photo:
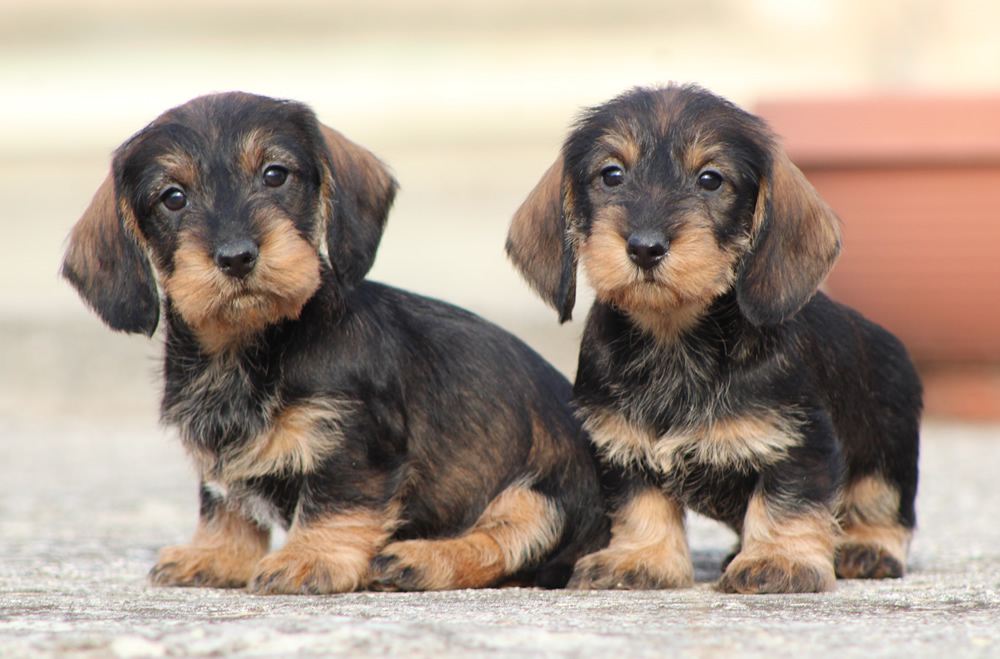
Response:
column 720, row 494
column 268, row 501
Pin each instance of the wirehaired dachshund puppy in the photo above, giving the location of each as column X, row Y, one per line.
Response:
column 402, row 442
column 712, row 375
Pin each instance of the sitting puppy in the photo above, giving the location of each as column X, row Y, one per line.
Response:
column 402, row 442
column 713, row 375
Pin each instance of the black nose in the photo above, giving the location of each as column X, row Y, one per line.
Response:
column 646, row 248
column 237, row 258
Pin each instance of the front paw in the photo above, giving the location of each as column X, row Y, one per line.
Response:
column 631, row 570
column 292, row 571
column 196, row 565
column 394, row 569
column 867, row 561
column 776, row 574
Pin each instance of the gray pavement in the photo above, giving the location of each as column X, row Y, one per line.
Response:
column 91, row 487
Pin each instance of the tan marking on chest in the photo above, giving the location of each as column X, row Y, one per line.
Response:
column 736, row 442
column 297, row 441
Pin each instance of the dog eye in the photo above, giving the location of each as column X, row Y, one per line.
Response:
column 173, row 199
column 710, row 180
column 275, row 176
column 612, row 176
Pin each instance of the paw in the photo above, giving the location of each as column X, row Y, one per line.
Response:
column 730, row 557
column 396, row 569
column 194, row 565
column 631, row 570
column 290, row 571
column 865, row 561
column 473, row 561
column 775, row 574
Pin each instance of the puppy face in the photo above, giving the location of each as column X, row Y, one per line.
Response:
column 670, row 198
column 239, row 202
column 231, row 211
column 664, row 195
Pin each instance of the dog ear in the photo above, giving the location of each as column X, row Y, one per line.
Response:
column 795, row 239
column 541, row 245
column 109, row 269
column 361, row 191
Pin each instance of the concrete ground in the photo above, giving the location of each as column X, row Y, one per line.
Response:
column 91, row 487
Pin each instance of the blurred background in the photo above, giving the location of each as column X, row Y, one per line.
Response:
column 468, row 102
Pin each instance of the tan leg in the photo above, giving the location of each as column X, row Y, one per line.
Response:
column 648, row 548
column 782, row 553
column 518, row 527
column 874, row 544
column 222, row 554
column 329, row 555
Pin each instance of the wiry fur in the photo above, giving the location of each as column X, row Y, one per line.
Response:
column 711, row 370
column 383, row 430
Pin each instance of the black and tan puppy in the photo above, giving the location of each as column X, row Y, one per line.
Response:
column 713, row 375
column 402, row 442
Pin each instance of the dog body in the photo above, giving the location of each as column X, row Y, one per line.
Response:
column 713, row 375
column 402, row 442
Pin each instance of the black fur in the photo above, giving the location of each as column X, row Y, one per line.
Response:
column 673, row 352
column 848, row 385
column 426, row 413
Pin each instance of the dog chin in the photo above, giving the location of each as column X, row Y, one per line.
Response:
column 643, row 294
column 238, row 306
column 236, row 317
column 656, row 308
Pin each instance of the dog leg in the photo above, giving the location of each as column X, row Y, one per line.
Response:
column 648, row 548
column 874, row 544
column 326, row 555
column 516, row 529
column 782, row 552
column 225, row 548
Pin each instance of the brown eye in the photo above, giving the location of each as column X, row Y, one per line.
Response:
column 275, row 176
column 173, row 199
column 612, row 176
column 710, row 180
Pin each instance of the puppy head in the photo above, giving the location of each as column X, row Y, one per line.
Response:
column 672, row 197
column 237, row 202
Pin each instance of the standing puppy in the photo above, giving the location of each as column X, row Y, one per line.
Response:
column 402, row 442
column 712, row 374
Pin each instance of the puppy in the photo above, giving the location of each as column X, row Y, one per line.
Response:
column 713, row 375
column 402, row 442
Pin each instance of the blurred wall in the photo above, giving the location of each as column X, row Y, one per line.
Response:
column 467, row 101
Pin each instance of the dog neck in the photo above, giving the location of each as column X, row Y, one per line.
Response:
column 714, row 331
column 668, row 325
column 678, row 382
column 216, row 399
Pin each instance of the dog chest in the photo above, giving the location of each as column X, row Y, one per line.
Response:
column 216, row 403
column 712, row 467
column 236, row 426
column 747, row 441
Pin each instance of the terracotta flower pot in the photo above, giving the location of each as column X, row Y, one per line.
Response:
column 916, row 183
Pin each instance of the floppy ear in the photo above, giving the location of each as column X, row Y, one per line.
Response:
column 795, row 241
column 361, row 191
column 109, row 269
column 540, row 242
